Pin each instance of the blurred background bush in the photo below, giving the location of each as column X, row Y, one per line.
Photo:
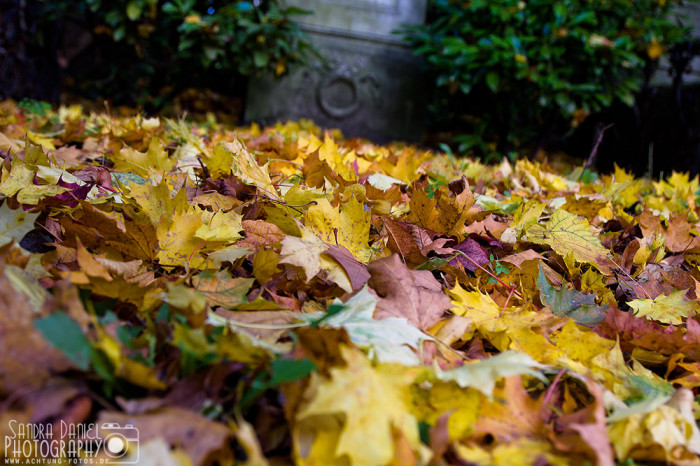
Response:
column 510, row 77
column 513, row 74
column 148, row 52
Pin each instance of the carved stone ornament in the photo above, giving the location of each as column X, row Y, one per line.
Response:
column 370, row 84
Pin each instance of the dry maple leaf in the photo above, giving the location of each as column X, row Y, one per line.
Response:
column 412, row 294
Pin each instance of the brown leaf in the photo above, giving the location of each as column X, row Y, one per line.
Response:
column 520, row 257
column 443, row 213
column 678, row 237
column 519, row 416
column 490, row 226
column 356, row 270
column 97, row 229
column 322, row 346
column 221, row 289
column 639, row 332
column 316, row 171
column 204, row 441
column 26, row 360
column 585, row 431
column 280, row 318
column 259, row 233
column 403, row 243
column 413, row 294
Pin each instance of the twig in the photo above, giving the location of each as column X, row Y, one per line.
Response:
column 551, row 388
column 512, row 290
column 594, row 151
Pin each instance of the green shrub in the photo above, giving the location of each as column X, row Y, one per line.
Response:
column 512, row 72
column 150, row 47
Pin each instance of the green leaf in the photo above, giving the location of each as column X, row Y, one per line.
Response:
column 66, row 335
column 281, row 371
column 492, row 80
column 567, row 302
column 169, row 8
column 290, row 370
column 260, row 58
column 133, row 10
column 119, row 33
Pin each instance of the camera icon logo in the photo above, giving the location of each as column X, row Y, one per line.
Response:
column 121, row 444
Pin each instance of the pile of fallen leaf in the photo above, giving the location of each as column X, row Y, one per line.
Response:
column 244, row 295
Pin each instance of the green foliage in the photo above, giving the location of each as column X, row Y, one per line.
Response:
column 281, row 371
column 508, row 68
column 37, row 107
column 152, row 47
column 498, row 268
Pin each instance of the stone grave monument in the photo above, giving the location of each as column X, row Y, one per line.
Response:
column 370, row 86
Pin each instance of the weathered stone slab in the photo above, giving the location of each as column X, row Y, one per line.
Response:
column 370, row 85
column 689, row 14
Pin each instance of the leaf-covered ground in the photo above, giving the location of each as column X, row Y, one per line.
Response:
column 247, row 295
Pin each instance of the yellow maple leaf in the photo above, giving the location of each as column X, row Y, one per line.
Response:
column 347, row 226
column 526, row 215
column 518, row 452
column 442, row 214
column 580, row 343
column 509, row 329
column 662, row 434
column 340, row 162
column 669, row 309
column 141, row 163
column 307, row 252
column 567, row 233
column 14, row 224
column 407, row 167
column 220, row 162
column 155, row 200
column 359, row 408
column 220, row 226
column 441, row 397
column 19, row 180
column 265, row 265
column 177, row 241
column 246, row 167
